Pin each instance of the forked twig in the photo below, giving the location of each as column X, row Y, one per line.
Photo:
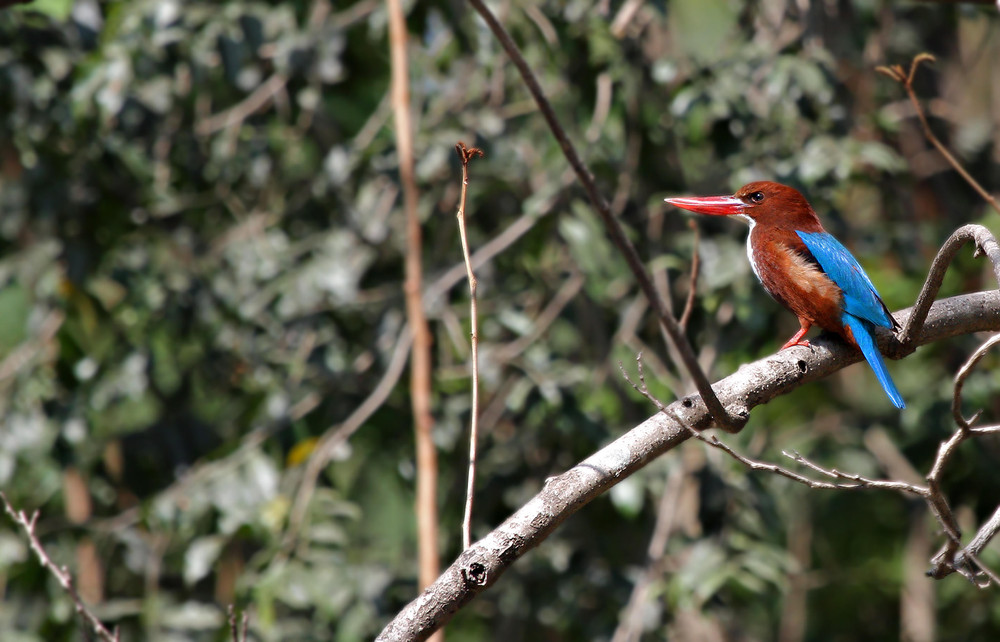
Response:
column 466, row 154
column 985, row 242
column 238, row 630
column 952, row 557
column 897, row 73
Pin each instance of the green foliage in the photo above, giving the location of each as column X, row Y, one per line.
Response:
column 201, row 268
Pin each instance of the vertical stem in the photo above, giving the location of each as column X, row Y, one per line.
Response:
column 466, row 154
column 420, row 364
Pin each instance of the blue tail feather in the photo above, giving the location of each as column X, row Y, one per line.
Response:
column 862, row 332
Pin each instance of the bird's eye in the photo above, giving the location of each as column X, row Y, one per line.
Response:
column 757, row 197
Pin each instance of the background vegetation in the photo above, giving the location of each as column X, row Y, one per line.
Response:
column 202, row 247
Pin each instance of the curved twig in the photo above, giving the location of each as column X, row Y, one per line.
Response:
column 730, row 420
column 693, row 282
column 962, row 375
column 986, row 244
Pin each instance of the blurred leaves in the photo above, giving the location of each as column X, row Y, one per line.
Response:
column 201, row 275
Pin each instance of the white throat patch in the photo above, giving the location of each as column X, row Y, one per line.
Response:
column 753, row 264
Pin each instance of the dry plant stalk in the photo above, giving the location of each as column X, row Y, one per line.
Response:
column 466, row 154
column 420, row 364
column 61, row 573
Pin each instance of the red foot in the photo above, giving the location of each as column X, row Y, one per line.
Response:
column 797, row 340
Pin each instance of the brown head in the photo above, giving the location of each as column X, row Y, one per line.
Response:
column 763, row 203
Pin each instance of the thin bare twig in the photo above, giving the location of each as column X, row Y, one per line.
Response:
column 853, row 481
column 333, row 438
column 857, row 481
column 976, row 545
column 729, row 421
column 897, row 73
column 985, row 570
column 61, row 573
column 420, row 364
column 952, row 557
column 466, row 154
column 985, row 242
column 239, row 112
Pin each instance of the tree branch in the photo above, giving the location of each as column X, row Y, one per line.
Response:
column 479, row 566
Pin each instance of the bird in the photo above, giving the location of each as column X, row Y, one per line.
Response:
column 804, row 268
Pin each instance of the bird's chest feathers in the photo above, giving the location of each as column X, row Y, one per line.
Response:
column 788, row 273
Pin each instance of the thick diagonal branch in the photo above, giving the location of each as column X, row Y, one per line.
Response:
column 756, row 383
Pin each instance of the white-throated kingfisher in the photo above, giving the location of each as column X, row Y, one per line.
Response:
column 805, row 269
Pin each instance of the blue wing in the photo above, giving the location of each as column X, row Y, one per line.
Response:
column 863, row 308
column 860, row 296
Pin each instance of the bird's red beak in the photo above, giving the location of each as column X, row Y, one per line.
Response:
column 714, row 205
